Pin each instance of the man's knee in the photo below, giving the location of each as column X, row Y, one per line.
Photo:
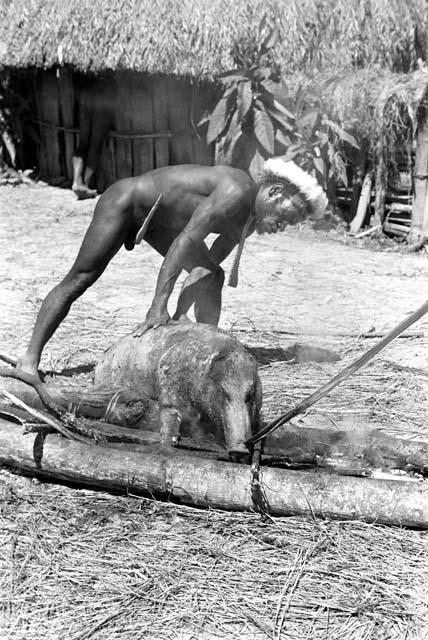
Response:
column 208, row 275
column 219, row 277
column 74, row 285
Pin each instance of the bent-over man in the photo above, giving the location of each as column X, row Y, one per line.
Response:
column 191, row 202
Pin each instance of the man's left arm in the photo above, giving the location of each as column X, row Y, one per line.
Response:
column 181, row 252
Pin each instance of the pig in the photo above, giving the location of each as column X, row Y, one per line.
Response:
column 190, row 368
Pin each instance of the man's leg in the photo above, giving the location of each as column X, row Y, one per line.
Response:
column 80, row 185
column 102, row 123
column 103, row 239
column 203, row 288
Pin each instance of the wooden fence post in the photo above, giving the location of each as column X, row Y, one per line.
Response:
column 381, row 180
column 419, row 226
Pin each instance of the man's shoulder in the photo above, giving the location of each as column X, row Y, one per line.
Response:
column 233, row 174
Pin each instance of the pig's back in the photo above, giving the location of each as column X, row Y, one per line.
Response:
column 133, row 362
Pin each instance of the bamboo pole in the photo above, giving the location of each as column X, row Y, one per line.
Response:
column 206, row 483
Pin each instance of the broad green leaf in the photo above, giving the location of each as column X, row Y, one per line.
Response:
column 319, row 165
column 280, row 107
column 263, row 73
column 263, row 129
column 282, row 139
column 341, row 133
column 244, row 100
column 279, row 118
column 293, row 151
column 237, row 75
column 270, row 86
column 203, row 121
column 256, row 163
column 218, row 119
column 234, row 132
column 308, row 123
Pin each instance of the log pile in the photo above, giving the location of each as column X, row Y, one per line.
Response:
column 305, row 471
column 198, row 481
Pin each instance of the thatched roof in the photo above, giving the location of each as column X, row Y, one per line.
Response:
column 374, row 103
column 196, row 37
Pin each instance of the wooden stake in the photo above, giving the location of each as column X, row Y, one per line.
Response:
column 363, row 203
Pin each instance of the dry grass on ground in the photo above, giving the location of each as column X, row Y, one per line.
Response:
column 77, row 564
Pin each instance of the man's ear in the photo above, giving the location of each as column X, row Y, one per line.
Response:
column 276, row 190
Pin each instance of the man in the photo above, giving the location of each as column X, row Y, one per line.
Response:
column 192, row 202
column 96, row 101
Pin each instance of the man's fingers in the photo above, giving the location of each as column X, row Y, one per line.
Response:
column 140, row 329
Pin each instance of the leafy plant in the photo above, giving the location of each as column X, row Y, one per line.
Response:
column 249, row 120
column 255, row 119
column 319, row 147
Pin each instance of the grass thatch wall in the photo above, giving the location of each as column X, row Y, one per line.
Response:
column 196, row 37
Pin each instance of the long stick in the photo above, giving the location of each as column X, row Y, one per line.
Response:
column 142, row 232
column 340, row 377
column 50, row 420
column 233, row 278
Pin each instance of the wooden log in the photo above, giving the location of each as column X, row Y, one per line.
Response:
column 363, row 204
column 369, row 232
column 399, row 206
column 362, row 449
column 398, row 229
column 206, row 483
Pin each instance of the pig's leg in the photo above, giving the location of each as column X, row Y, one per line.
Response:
column 170, row 423
column 170, row 399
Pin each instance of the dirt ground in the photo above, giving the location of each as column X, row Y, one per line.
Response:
column 337, row 580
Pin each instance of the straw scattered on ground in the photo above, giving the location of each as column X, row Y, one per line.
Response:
column 77, row 564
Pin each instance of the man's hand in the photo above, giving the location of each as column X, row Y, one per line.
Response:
column 153, row 321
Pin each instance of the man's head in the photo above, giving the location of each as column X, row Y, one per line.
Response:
column 286, row 195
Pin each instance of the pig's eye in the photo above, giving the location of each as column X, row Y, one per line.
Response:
column 249, row 396
column 226, row 395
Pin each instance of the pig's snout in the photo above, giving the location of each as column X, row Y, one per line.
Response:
column 237, row 431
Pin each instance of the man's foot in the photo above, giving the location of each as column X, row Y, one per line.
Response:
column 83, row 192
column 28, row 371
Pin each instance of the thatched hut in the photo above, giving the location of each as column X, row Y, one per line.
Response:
column 159, row 62
column 388, row 113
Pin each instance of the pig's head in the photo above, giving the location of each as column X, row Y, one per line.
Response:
column 232, row 397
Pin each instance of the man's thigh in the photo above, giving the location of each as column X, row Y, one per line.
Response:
column 197, row 255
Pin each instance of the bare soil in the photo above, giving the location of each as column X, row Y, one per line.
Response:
column 316, row 288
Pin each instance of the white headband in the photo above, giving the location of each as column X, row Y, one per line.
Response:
column 305, row 183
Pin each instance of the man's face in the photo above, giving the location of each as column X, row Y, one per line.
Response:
column 276, row 208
